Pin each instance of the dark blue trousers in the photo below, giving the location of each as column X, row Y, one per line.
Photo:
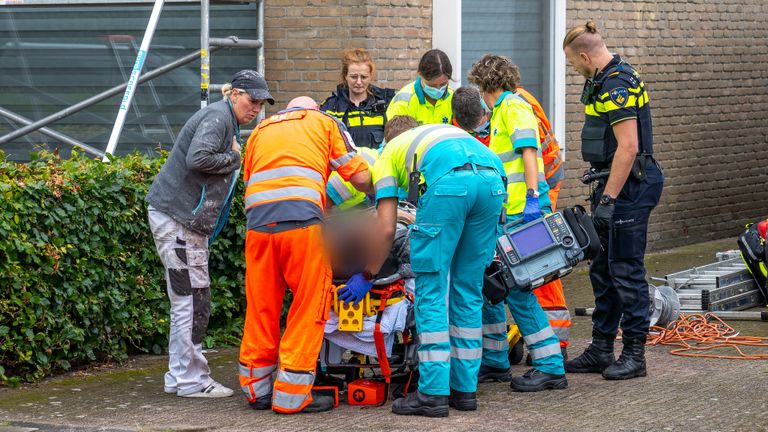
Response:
column 618, row 274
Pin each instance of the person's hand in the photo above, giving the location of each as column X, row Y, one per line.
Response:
column 602, row 216
column 355, row 289
column 531, row 211
column 235, row 145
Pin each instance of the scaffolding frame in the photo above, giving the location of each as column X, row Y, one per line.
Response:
column 208, row 45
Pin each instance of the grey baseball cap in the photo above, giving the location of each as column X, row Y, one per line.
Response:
column 254, row 84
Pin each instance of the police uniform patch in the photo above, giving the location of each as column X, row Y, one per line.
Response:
column 619, row 96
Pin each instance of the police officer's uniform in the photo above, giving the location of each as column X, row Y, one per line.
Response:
column 365, row 122
column 618, row 276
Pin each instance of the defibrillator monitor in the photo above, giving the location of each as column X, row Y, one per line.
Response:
column 539, row 251
column 532, row 239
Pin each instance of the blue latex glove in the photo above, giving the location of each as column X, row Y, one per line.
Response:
column 531, row 210
column 355, row 290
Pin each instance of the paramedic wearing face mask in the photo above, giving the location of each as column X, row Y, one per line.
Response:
column 428, row 99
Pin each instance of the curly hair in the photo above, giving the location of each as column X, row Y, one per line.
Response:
column 493, row 72
column 397, row 125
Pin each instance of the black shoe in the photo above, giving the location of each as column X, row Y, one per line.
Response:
column 262, row 402
column 594, row 359
column 319, row 403
column 631, row 362
column 463, row 401
column 420, row 404
column 492, row 374
column 535, row 380
column 529, row 360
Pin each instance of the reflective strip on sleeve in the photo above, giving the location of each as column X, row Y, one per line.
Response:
column 545, row 351
column 341, row 160
column 434, row 356
column 338, row 185
column 385, row 182
column 508, row 156
column 539, row 336
column 291, row 191
column 368, row 158
column 520, row 178
column 495, row 345
column 433, row 337
column 286, row 171
column 465, row 332
column 495, row 328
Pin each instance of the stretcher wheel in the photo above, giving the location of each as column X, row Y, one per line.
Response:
column 516, row 352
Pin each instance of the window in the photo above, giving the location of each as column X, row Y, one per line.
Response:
column 528, row 31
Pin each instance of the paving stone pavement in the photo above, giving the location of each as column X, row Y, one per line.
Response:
column 679, row 394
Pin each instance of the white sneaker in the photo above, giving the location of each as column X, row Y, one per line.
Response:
column 214, row 390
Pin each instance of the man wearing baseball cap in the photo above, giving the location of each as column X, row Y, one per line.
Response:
column 188, row 206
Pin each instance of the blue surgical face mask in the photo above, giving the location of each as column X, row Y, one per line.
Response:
column 434, row 93
column 484, row 129
column 485, row 105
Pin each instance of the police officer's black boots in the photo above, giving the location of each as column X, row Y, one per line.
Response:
column 594, row 359
column 417, row 403
column 631, row 362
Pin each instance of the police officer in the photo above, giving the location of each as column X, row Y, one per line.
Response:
column 617, row 138
column 358, row 103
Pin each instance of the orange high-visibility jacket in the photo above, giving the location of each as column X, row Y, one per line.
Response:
column 287, row 163
column 550, row 148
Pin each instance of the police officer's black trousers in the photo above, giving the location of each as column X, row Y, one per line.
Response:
column 618, row 275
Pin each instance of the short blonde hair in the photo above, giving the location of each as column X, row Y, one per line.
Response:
column 583, row 38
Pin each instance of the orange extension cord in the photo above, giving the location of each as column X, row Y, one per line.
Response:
column 696, row 334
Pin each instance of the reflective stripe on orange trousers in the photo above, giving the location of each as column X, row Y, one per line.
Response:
column 295, row 259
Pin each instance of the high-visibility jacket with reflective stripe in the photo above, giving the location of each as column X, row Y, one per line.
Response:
column 341, row 192
column 622, row 96
column 514, row 127
column 287, row 163
column 410, row 101
column 435, row 150
column 550, row 148
column 365, row 122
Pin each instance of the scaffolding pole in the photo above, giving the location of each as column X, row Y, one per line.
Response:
column 52, row 133
column 181, row 61
column 130, row 89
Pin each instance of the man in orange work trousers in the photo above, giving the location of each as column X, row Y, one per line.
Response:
column 288, row 160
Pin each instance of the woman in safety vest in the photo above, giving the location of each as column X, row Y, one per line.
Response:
column 428, row 99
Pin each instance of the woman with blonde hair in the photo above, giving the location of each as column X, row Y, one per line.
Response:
column 356, row 102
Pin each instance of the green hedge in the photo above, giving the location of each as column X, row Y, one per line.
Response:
column 80, row 280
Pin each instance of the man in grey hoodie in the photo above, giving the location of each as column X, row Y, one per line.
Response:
column 188, row 205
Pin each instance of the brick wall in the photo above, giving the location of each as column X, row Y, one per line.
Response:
column 704, row 64
column 304, row 40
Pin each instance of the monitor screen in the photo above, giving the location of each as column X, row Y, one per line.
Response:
column 532, row 239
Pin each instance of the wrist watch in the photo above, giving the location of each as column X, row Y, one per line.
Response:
column 531, row 193
column 607, row 200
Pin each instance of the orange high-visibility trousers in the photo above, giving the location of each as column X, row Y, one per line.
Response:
column 551, row 296
column 295, row 259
